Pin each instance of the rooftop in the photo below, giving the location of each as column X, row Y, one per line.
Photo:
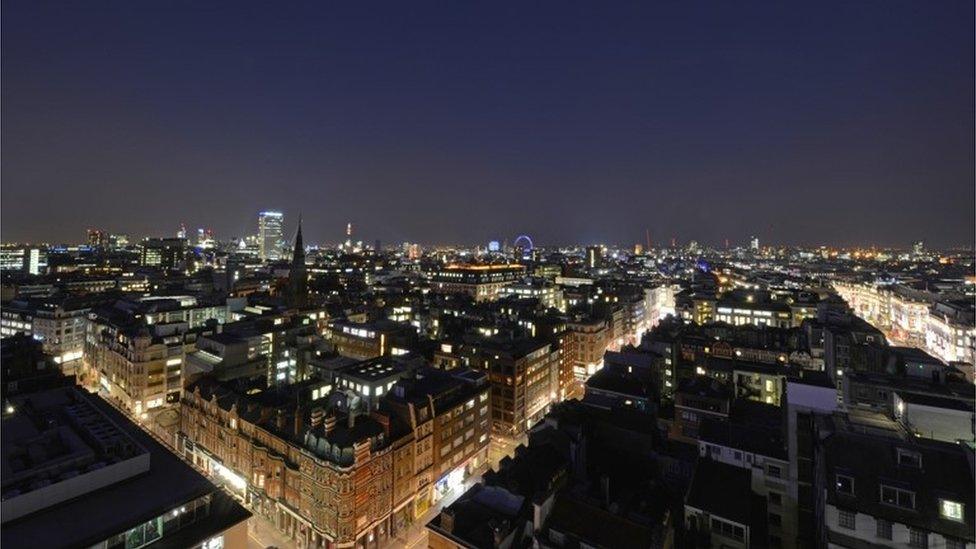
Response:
column 943, row 471
column 127, row 500
column 479, row 513
column 597, row 526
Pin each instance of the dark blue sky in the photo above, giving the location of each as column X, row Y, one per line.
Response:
column 839, row 123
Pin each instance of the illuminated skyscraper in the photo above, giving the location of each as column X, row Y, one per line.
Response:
column 348, row 244
column 97, row 238
column 594, row 257
column 25, row 259
column 269, row 235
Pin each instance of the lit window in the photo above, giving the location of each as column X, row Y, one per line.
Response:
column 951, row 510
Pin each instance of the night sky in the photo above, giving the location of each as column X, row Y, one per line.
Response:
column 818, row 123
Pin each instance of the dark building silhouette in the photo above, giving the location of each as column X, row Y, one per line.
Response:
column 298, row 275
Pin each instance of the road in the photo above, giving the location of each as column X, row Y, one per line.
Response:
column 261, row 534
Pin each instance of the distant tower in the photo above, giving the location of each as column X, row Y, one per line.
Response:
column 349, row 230
column 594, row 257
column 298, row 274
column 754, row 244
column 182, row 232
column 269, row 235
column 97, row 238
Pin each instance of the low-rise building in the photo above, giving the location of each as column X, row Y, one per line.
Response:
column 721, row 509
column 165, row 253
column 59, row 323
column 950, row 332
column 587, row 339
column 449, row 416
column 524, row 376
column 481, row 282
column 696, row 399
column 752, row 438
column 103, row 482
column 882, row 487
column 365, row 340
column 137, row 366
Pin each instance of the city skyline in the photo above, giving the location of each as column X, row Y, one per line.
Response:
column 842, row 126
column 289, row 230
column 488, row 275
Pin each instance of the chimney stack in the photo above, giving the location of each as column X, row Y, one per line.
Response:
column 384, row 420
column 447, row 521
column 318, row 414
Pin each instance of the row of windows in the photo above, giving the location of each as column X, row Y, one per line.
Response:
column 916, row 537
column 900, row 497
column 163, row 525
column 727, row 529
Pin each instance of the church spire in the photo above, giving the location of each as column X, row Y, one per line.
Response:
column 299, row 252
column 298, row 275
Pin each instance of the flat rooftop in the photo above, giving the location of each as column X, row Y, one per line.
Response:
column 126, row 501
column 374, row 369
column 56, row 446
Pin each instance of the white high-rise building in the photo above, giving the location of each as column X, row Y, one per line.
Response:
column 269, row 235
column 754, row 244
column 27, row 259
